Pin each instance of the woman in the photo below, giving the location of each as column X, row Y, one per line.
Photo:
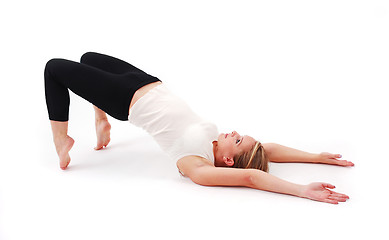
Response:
column 202, row 154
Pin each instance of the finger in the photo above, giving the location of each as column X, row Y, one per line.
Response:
column 334, row 156
column 337, row 198
column 327, row 185
column 338, row 194
column 341, row 162
column 348, row 164
column 330, row 201
column 344, row 163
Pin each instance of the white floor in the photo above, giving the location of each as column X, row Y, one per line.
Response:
column 308, row 75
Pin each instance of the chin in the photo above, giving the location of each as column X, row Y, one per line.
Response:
column 221, row 136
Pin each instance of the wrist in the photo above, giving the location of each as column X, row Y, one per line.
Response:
column 317, row 158
column 301, row 191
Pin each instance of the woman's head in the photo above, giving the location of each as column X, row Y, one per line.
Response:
column 254, row 158
column 233, row 150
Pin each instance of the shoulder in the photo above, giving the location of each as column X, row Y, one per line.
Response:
column 188, row 164
column 196, row 168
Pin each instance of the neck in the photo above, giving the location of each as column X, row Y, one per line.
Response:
column 214, row 143
column 215, row 147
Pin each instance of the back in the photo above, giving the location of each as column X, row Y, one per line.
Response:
column 172, row 123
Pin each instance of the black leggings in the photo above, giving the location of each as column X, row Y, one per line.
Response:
column 106, row 82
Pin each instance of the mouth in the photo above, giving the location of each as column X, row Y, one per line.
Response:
column 226, row 135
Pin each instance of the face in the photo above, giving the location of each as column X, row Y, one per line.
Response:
column 231, row 144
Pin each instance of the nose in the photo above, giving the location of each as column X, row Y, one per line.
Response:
column 234, row 133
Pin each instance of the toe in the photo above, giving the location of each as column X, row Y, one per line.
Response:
column 64, row 163
column 99, row 145
column 63, row 166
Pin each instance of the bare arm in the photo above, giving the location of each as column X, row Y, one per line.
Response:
column 203, row 173
column 279, row 153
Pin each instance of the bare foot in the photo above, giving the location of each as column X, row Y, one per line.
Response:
column 103, row 132
column 330, row 158
column 63, row 147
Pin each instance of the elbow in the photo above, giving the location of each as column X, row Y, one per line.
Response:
column 249, row 178
column 255, row 178
column 199, row 179
column 199, row 182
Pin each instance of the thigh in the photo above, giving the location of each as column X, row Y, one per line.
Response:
column 110, row 92
column 108, row 63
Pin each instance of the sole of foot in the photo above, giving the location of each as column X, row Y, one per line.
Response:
column 63, row 152
column 103, row 132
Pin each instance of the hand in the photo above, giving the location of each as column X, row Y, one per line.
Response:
column 320, row 192
column 330, row 158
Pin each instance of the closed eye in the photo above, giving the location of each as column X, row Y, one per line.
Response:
column 238, row 141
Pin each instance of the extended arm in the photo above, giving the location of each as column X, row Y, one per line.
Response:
column 279, row 153
column 203, row 173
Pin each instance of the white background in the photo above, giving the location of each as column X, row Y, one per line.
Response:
column 307, row 74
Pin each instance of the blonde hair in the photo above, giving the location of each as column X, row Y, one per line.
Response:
column 255, row 158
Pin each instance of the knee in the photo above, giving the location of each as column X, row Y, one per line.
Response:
column 86, row 57
column 50, row 65
column 53, row 66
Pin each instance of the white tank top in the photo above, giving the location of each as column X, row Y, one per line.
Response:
column 173, row 125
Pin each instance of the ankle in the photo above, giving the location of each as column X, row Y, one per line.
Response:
column 102, row 125
column 59, row 142
column 59, row 139
column 101, row 119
